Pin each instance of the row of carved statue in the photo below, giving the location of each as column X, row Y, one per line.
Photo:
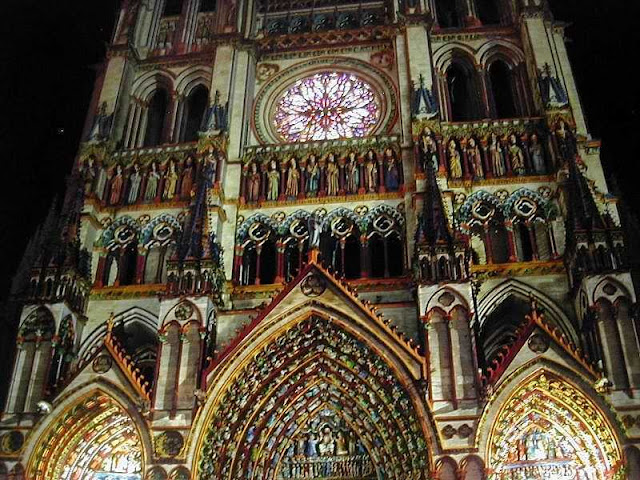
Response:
column 278, row 179
column 167, row 181
column 495, row 154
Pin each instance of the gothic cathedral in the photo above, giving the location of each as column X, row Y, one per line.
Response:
column 329, row 239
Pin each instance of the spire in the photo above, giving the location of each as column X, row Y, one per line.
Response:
column 434, row 223
column 194, row 243
column 583, row 212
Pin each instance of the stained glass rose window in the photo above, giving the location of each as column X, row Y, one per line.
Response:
column 327, row 106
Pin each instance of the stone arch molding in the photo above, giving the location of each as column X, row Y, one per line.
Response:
column 95, row 412
column 542, row 405
column 270, row 93
column 553, row 312
column 311, row 365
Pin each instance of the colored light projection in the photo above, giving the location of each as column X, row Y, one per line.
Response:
column 314, row 403
column 550, row 431
column 95, row 440
column 327, row 106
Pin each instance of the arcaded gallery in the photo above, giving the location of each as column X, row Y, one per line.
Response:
column 329, row 239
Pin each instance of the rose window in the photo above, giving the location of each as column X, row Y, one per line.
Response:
column 327, row 106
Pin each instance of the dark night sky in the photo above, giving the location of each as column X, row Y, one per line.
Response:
column 46, row 78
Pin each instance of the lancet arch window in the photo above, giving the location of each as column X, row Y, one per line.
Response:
column 119, row 265
column 385, row 247
column 340, row 246
column 194, row 108
column 33, row 358
column 258, row 255
column 464, row 93
column 156, row 118
column 503, row 89
column 159, row 245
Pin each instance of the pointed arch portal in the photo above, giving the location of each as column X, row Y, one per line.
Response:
column 315, row 402
column 549, row 430
column 93, row 440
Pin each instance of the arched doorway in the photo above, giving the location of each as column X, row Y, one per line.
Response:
column 95, row 439
column 548, row 429
column 314, row 402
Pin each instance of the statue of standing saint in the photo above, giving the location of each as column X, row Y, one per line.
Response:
column 455, row 160
column 170, row 181
column 332, row 175
column 474, row 155
column 353, row 174
column 134, row 185
column 516, row 156
column 371, row 171
column 536, row 152
column 153, row 178
column 313, row 175
column 293, row 179
column 117, row 182
column 273, row 181
column 496, row 156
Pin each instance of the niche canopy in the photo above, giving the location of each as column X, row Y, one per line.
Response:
column 327, row 106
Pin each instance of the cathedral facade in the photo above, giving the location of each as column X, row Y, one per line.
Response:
column 328, row 239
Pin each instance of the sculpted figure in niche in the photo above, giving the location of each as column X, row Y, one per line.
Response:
column 327, row 445
column 170, row 181
column 153, row 178
column 428, row 150
column 273, row 181
column 135, row 179
column 332, row 175
column 293, row 179
column 455, row 160
column 566, row 141
column 101, row 181
column 353, row 173
column 536, row 153
column 313, row 175
column 88, row 173
column 117, row 183
column 371, row 171
column 392, row 173
column 253, row 183
column 516, row 156
column 475, row 157
column 496, row 156
column 187, row 178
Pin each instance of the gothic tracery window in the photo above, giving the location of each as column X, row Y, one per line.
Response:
column 327, row 106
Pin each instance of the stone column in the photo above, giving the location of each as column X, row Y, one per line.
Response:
column 20, row 378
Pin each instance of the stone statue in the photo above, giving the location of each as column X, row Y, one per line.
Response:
column 392, row 172
column 428, row 149
column 552, row 91
column 101, row 181
column 273, row 180
column 314, row 225
column 423, row 103
column 187, row 178
column 170, row 181
column 536, row 153
column 455, row 160
column 332, row 175
column 293, row 179
column 371, row 171
column 516, row 156
column 475, row 157
column 117, row 182
column 101, row 124
column 313, row 175
column 135, row 179
column 496, row 156
column 353, row 173
column 217, row 115
column 153, row 178
column 253, row 183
